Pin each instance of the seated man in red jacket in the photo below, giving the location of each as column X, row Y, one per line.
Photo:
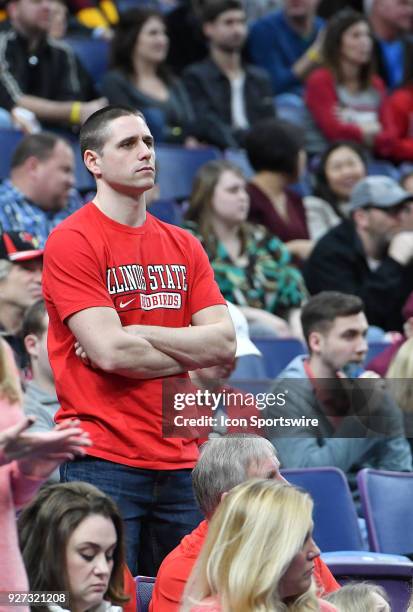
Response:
column 223, row 464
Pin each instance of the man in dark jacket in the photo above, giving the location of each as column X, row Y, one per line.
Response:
column 369, row 255
column 226, row 94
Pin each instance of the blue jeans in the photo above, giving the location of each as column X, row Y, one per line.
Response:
column 158, row 506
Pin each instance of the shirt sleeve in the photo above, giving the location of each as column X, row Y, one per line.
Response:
column 73, row 278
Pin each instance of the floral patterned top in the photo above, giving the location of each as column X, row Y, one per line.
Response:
column 261, row 277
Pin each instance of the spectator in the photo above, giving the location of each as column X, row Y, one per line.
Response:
column 398, row 118
column 26, row 460
column 37, row 73
column 360, row 597
column 399, row 377
column 140, row 79
column 345, row 98
column 114, row 379
column 287, row 43
column 341, row 166
column 275, row 151
column 71, row 538
column 350, row 432
column 252, row 267
column 259, row 553
column 21, row 262
column 40, row 398
column 39, row 193
column 227, row 93
column 369, row 255
column 188, row 43
column 224, row 463
column 391, row 22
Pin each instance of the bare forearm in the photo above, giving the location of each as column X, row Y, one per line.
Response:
column 135, row 357
column 196, row 347
column 46, row 109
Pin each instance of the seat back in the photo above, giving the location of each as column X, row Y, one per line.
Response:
column 278, row 352
column 93, row 53
column 144, row 588
column 9, row 139
column 177, row 167
column 386, row 499
column 335, row 518
column 393, row 573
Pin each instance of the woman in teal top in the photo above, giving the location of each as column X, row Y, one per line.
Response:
column 252, row 267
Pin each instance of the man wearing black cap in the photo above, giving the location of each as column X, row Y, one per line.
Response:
column 369, row 255
column 21, row 262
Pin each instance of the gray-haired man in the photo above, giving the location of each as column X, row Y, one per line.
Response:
column 223, row 464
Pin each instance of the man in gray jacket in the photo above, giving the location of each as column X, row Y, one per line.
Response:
column 40, row 398
column 334, row 418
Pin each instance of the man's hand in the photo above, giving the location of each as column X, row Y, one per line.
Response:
column 401, row 248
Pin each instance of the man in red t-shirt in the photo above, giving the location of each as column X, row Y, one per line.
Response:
column 224, row 463
column 138, row 298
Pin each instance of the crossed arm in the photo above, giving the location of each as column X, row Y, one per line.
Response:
column 145, row 351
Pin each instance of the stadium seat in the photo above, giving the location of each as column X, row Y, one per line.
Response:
column 336, row 525
column 177, row 167
column 168, row 211
column 386, row 499
column 9, row 139
column 144, row 588
column 374, row 349
column 240, row 159
column 93, row 53
column 383, row 167
column 394, row 573
column 278, row 352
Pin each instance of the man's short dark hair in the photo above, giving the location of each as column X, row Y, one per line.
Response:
column 322, row 309
column 40, row 146
column 274, row 145
column 33, row 320
column 93, row 132
column 212, row 9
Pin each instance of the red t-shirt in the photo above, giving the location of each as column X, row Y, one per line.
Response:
column 155, row 274
column 177, row 566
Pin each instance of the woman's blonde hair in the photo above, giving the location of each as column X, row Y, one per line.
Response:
column 10, row 387
column 254, row 535
column 400, row 374
column 356, row 597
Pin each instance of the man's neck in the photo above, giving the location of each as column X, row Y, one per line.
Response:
column 20, row 182
column 302, row 25
column 229, row 63
column 128, row 209
column 383, row 29
column 33, row 37
column 319, row 368
column 10, row 318
column 372, row 249
column 43, row 382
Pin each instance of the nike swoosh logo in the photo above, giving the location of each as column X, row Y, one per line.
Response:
column 124, row 304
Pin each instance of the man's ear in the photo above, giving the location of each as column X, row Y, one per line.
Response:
column 206, row 29
column 92, row 162
column 315, row 340
column 30, row 344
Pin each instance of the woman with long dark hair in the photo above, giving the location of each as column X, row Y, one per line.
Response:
column 345, row 97
column 140, row 78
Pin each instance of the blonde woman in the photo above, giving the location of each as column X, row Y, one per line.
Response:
column 399, row 377
column 26, row 460
column 360, row 597
column 259, row 554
